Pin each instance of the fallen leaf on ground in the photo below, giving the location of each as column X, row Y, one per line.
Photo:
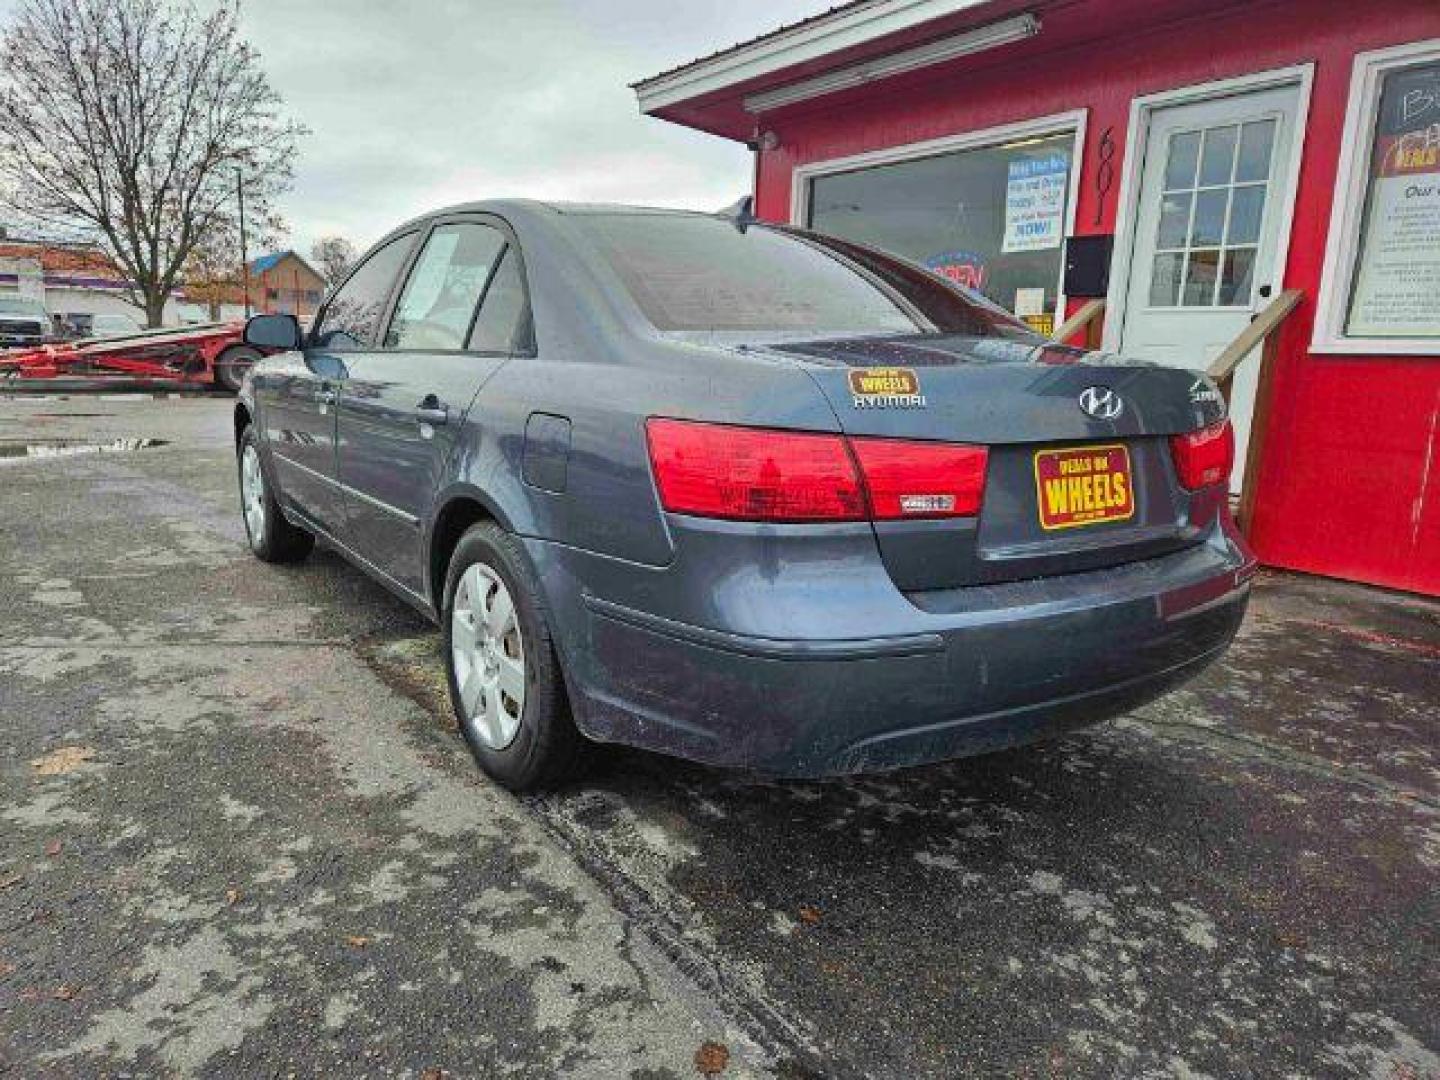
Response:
column 711, row 1059
column 63, row 993
column 232, row 896
column 6, row 968
column 13, row 879
column 357, row 941
column 61, row 761
column 433, row 1074
column 809, row 914
column 54, row 847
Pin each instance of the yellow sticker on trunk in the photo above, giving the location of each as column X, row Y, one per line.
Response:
column 885, row 388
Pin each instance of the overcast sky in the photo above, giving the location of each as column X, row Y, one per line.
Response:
column 415, row 105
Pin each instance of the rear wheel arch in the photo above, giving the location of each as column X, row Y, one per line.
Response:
column 457, row 514
column 460, row 511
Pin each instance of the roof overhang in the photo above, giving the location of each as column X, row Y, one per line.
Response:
column 841, row 31
column 985, row 37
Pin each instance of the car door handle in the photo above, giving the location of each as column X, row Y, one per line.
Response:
column 432, row 411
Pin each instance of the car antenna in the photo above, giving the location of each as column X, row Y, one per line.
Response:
column 741, row 213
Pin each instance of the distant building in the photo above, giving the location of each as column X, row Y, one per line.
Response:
column 283, row 283
column 79, row 282
column 75, row 282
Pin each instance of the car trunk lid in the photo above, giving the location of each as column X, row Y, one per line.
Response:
column 1066, row 489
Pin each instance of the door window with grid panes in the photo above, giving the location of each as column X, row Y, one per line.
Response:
column 1207, row 239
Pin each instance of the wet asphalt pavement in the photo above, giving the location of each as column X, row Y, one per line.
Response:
column 241, row 837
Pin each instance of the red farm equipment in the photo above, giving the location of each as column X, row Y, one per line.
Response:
column 209, row 356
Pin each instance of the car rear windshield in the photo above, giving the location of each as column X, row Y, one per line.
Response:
column 710, row 274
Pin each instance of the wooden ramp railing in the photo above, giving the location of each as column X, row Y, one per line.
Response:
column 1088, row 318
column 1264, row 332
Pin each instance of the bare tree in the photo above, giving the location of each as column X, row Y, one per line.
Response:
column 213, row 272
column 334, row 255
column 132, row 123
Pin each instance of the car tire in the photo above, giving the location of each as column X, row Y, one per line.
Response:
column 272, row 538
column 527, row 744
column 231, row 366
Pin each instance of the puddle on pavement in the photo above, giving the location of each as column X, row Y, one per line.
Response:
column 54, row 448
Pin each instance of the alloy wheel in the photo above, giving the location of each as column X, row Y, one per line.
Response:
column 487, row 650
column 252, row 494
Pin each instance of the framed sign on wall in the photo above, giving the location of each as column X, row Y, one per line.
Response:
column 1380, row 292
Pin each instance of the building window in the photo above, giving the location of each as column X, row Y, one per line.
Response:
column 989, row 210
column 1208, row 233
column 1381, row 287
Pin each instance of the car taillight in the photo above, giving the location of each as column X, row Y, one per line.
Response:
column 1204, row 457
column 752, row 474
column 758, row 474
column 920, row 479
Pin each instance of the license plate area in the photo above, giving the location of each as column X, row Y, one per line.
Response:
column 1083, row 485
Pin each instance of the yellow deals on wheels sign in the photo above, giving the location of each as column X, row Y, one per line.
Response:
column 883, row 380
column 885, row 388
column 1083, row 485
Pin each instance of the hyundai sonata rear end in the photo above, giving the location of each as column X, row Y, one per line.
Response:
column 977, row 538
column 744, row 494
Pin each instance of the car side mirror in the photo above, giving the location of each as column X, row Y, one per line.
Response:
column 273, row 332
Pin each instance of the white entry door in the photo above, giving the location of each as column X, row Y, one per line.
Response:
column 1207, row 229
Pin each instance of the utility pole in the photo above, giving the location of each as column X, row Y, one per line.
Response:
column 244, row 255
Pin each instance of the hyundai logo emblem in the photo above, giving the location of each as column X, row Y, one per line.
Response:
column 1101, row 402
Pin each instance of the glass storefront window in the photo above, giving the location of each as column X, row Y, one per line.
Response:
column 992, row 218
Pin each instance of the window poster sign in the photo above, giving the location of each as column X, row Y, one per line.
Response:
column 1397, row 275
column 1035, row 203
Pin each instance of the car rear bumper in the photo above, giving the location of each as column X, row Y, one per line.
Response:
column 955, row 672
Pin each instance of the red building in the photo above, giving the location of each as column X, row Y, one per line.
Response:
column 1221, row 153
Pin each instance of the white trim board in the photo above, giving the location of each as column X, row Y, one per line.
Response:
column 813, row 40
column 1137, row 136
column 1342, row 242
column 966, row 43
column 1054, row 124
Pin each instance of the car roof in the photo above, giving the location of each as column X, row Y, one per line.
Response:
column 517, row 211
column 496, row 206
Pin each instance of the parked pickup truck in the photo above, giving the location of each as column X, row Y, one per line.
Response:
column 24, row 323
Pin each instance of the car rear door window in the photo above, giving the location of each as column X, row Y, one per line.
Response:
column 351, row 320
column 503, row 325
column 438, row 304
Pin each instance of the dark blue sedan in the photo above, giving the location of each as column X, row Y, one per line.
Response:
column 741, row 493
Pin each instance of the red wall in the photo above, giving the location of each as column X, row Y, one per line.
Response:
column 1350, row 480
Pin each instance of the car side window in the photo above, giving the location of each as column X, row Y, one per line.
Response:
column 503, row 324
column 438, row 303
column 351, row 320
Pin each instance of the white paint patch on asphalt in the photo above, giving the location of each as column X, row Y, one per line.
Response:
column 196, row 1002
